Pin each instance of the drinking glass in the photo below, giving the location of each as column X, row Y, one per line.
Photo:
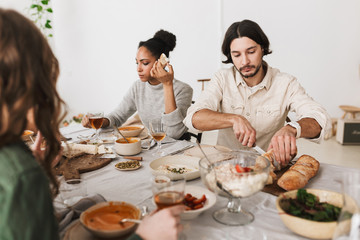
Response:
column 168, row 193
column 239, row 174
column 96, row 119
column 158, row 132
column 71, row 191
column 348, row 224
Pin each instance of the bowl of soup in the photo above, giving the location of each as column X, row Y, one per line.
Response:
column 124, row 148
column 103, row 219
column 131, row 130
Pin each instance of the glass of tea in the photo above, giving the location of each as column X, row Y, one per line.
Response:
column 158, row 133
column 168, row 193
column 96, row 119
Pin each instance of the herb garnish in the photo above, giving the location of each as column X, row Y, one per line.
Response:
column 180, row 170
column 307, row 205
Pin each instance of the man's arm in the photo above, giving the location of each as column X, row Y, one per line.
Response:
column 284, row 140
column 206, row 120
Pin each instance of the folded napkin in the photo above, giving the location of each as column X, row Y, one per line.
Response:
column 69, row 214
column 177, row 147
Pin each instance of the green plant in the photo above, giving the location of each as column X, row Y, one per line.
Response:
column 40, row 12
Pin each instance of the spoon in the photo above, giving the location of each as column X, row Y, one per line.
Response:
column 197, row 142
column 120, row 133
column 130, row 220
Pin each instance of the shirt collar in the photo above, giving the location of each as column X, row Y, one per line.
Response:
column 264, row 83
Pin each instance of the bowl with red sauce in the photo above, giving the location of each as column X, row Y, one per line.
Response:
column 132, row 147
column 103, row 219
column 131, row 130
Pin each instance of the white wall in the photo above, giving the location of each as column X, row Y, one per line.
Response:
column 96, row 42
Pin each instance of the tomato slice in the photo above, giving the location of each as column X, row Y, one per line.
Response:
column 241, row 169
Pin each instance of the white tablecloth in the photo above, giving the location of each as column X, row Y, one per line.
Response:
column 134, row 187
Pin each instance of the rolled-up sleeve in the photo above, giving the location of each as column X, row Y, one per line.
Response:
column 306, row 107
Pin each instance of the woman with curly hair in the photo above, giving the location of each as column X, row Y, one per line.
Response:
column 157, row 94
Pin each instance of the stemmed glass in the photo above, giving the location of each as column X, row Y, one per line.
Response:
column 168, row 193
column 158, row 132
column 239, row 174
column 96, row 119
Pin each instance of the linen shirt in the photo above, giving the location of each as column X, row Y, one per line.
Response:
column 26, row 210
column 148, row 101
column 266, row 108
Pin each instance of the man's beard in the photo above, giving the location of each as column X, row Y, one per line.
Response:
column 252, row 74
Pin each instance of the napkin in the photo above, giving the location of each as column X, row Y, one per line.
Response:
column 68, row 215
column 176, row 148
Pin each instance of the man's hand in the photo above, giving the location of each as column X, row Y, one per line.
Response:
column 284, row 145
column 160, row 74
column 243, row 131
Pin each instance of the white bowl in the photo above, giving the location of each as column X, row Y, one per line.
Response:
column 177, row 161
column 198, row 192
column 123, row 148
column 100, row 231
column 131, row 130
column 308, row 228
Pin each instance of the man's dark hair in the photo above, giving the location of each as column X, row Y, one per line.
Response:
column 245, row 28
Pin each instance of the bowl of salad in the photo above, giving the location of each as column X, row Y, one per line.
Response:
column 311, row 213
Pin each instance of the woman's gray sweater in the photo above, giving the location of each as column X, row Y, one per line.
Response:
column 148, row 101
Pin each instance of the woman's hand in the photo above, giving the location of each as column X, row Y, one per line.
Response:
column 160, row 74
column 163, row 224
column 39, row 153
column 86, row 122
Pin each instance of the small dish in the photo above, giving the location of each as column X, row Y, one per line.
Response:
column 197, row 192
column 131, row 130
column 308, row 228
column 103, row 219
column 190, row 165
column 128, row 165
column 123, row 148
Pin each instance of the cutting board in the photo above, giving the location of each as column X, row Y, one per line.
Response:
column 71, row 168
column 273, row 188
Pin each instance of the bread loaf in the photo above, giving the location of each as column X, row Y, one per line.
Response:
column 163, row 59
column 299, row 174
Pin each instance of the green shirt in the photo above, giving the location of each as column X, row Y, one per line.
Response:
column 26, row 210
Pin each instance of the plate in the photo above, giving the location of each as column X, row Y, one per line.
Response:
column 177, row 161
column 134, row 165
column 208, row 149
column 197, row 192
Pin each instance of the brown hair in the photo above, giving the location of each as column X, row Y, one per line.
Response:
column 28, row 75
column 245, row 28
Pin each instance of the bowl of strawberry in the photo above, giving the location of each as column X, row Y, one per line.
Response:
column 197, row 200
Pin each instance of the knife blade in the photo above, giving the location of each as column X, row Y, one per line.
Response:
column 259, row 149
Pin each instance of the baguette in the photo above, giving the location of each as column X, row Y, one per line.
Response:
column 163, row 60
column 299, row 174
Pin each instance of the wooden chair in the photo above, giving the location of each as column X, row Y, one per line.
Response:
column 349, row 110
column 203, row 82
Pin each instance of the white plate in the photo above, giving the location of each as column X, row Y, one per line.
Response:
column 198, row 192
column 208, row 149
column 177, row 160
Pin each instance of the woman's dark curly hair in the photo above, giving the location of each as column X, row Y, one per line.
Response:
column 28, row 75
column 162, row 42
column 245, row 28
